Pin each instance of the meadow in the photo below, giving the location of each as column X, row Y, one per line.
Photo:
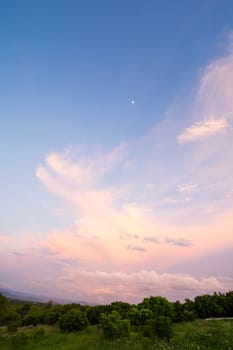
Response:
column 155, row 323
column 195, row 335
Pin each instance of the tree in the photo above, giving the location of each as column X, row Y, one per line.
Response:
column 3, row 308
column 209, row 305
column 114, row 326
column 121, row 307
column 23, row 310
column 229, row 304
column 94, row 313
column 31, row 319
column 177, row 311
column 161, row 327
column 51, row 317
column 160, row 306
column 72, row 321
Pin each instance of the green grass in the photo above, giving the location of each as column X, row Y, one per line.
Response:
column 198, row 335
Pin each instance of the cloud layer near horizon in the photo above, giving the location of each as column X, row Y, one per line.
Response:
column 141, row 209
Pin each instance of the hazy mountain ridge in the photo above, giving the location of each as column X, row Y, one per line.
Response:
column 16, row 295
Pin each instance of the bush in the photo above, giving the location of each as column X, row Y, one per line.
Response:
column 51, row 317
column 114, row 327
column 160, row 327
column 189, row 316
column 12, row 317
column 94, row 313
column 73, row 321
column 164, row 327
column 32, row 319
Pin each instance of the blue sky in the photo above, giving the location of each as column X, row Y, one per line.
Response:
column 69, row 71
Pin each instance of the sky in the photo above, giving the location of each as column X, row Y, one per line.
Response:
column 116, row 148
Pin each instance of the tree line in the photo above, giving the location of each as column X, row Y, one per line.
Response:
column 153, row 317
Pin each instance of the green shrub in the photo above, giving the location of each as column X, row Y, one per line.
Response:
column 12, row 317
column 114, row 327
column 160, row 327
column 110, row 329
column 51, row 317
column 73, row 321
column 189, row 316
column 31, row 319
column 94, row 313
column 147, row 329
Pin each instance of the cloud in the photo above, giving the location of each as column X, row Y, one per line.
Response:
column 110, row 221
column 61, row 164
column 98, row 210
column 180, row 242
column 203, row 129
column 137, row 248
column 62, row 167
column 170, row 200
column 18, row 253
column 215, row 93
column 213, row 106
column 187, row 188
column 219, row 261
column 118, row 200
column 100, row 286
column 177, row 200
column 152, row 240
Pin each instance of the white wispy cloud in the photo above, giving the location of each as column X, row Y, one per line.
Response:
column 170, row 200
column 203, row 129
column 213, row 105
column 186, row 188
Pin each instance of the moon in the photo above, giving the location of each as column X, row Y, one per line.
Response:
column 132, row 102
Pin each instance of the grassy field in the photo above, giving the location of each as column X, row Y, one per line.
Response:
column 198, row 335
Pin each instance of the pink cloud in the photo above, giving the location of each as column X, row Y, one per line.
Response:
column 213, row 107
column 123, row 238
column 204, row 129
column 104, row 287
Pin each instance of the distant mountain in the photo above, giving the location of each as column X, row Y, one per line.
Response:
column 15, row 295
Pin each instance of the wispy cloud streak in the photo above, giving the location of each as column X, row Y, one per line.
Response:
column 203, row 130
